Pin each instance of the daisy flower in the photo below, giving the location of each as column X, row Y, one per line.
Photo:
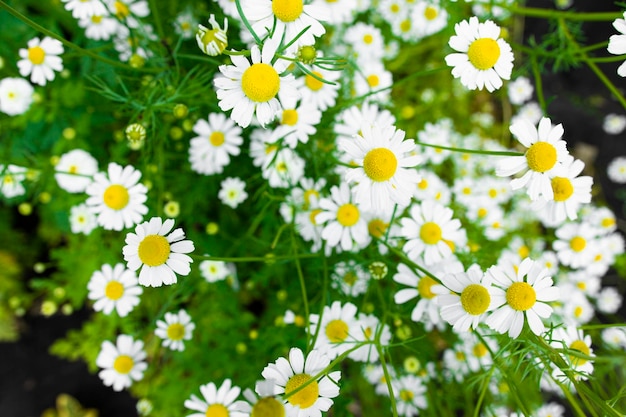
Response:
column 176, row 328
column 290, row 374
column 114, row 288
column 520, row 295
column 617, row 43
column 614, row 124
column 16, row 96
column 410, row 393
column 232, row 192
column 573, row 339
column 575, row 244
column 11, row 177
column 321, row 94
column 128, row 10
column 266, row 405
column 345, row 227
column 117, row 198
column 122, row 362
column 284, row 170
column 431, row 187
column 159, row 253
column 373, row 78
column 431, row 232
column 615, row 337
column 520, row 90
column 184, row 24
column 350, row 278
column 609, row 300
column 483, row 59
column 254, row 88
column 384, row 175
column 428, row 18
column 217, row 401
column 213, row 271
column 337, row 329
column 99, row 27
column 468, row 299
column 337, row 12
column 297, row 122
column 366, row 41
column 542, row 161
column 82, row 220
column 369, row 328
column 218, row 139
column 82, row 9
column 80, row 167
column 212, row 41
column 287, row 18
column 616, row 170
column 41, row 59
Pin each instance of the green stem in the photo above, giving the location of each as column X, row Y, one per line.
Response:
column 567, row 15
column 476, row 151
column 305, row 298
column 606, row 59
column 72, row 45
column 383, row 363
column 268, row 258
column 539, row 85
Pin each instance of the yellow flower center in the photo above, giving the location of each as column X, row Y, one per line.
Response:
column 562, row 188
column 430, row 233
column 430, row 13
column 405, row 25
column 210, row 36
column 154, row 250
column 608, row 222
column 116, row 196
column 313, row 214
column 377, row 228
column 368, row 39
column 523, row 251
column 260, row 82
column 123, row 364
column 309, row 194
column 541, row 156
column 312, row 82
column 176, row 331
column 268, row 407
column 578, row 243
column 581, row 285
column 121, row 9
column 305, row 397
column 217, row 410
column 36, row 55
column 521, row 296
column 459, row 355
column 373, row 80
column 114, row 290
column 348, row 215
column 406, row 395
column 475, row 299
column 287, row 10
column 217, row 139
column 578, row 312
column 482, row 212
column 479, row 350
column 73, row 169
column 336, row 331
column 483, row 53
column 349, row 278
column 380, row 164
column 290, row 117
column 423, row 184
column 582, row 347
column 96, row 19
column 424, row 287
column 394, row 8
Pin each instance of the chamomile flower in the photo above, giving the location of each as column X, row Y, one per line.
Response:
column 337, row 12
column 350, row 278
column 175, row 329
column 425, row 287
column 129, row 10
column 212, row 41
column 85, row 8
column 345, row 228
column 255, row 88
column 350, row 121
column 285, row 170
column 542, row 161
column 114, row 288
column 80, row 167
column 338, row 328
column 184, row 24
column 297, row 122
column 609, row 300
column 614, row 124
column 117, row 198
column 122, row 362
column 615, row 337
column 82, row 220
column 216, row 401
column 617, row 43
column 11, row 177
column 232, row 192
column 520, row 90
column 439, row 133
column 322, row 94
column 218, row 139
column 16, row 96
column 576, row 309
column 431, row 232
column 373, row 79
column 574, row 340
column 520, row 295
column 366, row 41
column 369, row 327
column 616, row 170
column 431, row 187
column 410, row 394
column 213, row 271
column 41, row 59
column 267, row 404
column 530, row 111
column 99, row 27
column 428, row 18
column 290, row 374
column 575, row 244
column 483, row 59
column 468, row 301
column 384, row 175
column 159, row 253
column 550, row 410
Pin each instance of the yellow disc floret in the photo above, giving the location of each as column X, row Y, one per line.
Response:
column 305, row 397
column 377, row 228
column 475, row 299
column 562, row 188
column 121, row 9
column 581, row 347
column 154, row 250
column 217, row 139
column 348, row 215
column 123, row 364
column 380, row 164
column 541, row 156
column 260, row 82
column 116, row 196
column 268, row 407
column 424, row 287
column 290, row 117
column 216, row 410
column 287, row 10
column 336, row 331
column 578, row 243
column 114, row 290
column 176, row 331
column 312, row 82
column 36, row 55
column 521, row 296
column 430, row 13
column 430, row 233
column 483, row 53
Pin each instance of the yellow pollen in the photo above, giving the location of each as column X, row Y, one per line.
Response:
column 123, row 364
column 309, row 194
column 368, row 333
column 405, row 25
column 466, row 190
column 377, row 228
column 12, row 95
column 176, row 331
column 210, row 36
column 312, row 82
column 268, row 407
column 185, row 26
column 608, row 222
column 598, row 257
column 394, row 8
column 475, row 299
column 290, row 117
column 307, row 396
column 423, row 184
column 348, row 215
column 479, row 350
column 578, row 311
column 368, row 39
column 217, row 139
column 430, row 13
column 217, row 410
column 578, row 243
column 521, row 296
column 154, row 250
column 541, row 156
column 430, row 233
column 406, row 395
column 114, row 290
column 482, row 212
column 287, row 10
column 96, row 19
column 349, row 278
column 260, row 82
column 424, row 287
column 116, row 197
column 73, row 169
column 562, row 188
column 523, row 251
column 581, row 285
column 493, row 193
column 483, row 53
column 460, row 355
column 336, row 331
column 121, row 9
column 581, row 347
column 36, row 55
column 380, row 164
column 313, row 214
column 373, row 80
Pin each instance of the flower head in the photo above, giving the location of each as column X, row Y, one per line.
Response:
column 41, row 59
column 212, row 41
column 121, row 363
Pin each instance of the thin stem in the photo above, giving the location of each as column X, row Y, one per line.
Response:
column 383, row 362
column 256, row 258
column 539, row 84
column 566, row 15
column 463, row 150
